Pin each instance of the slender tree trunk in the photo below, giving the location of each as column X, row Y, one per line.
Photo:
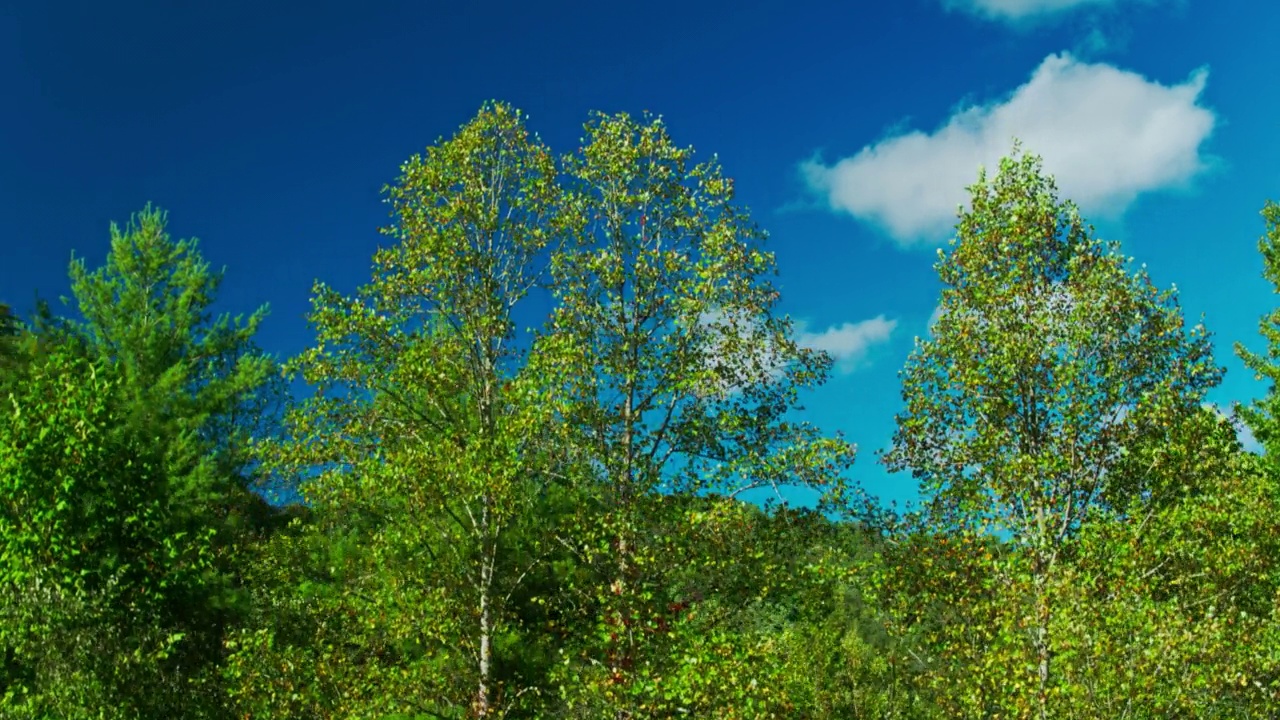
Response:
column 621, row 653
column 1043, row 650
column 488, row 546
column 620, row 661
column 486, row 639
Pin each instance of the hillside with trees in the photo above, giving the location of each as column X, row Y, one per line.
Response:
column 590, row 512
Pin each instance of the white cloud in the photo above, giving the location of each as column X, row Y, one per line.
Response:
column 1247, row 440
column 1106, row 134
column 849, row 343
column 1014, row 10
column 1017, row 11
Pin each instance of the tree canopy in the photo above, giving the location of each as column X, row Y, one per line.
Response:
column 548, row 463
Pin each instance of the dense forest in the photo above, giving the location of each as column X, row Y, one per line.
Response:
column 469, row 513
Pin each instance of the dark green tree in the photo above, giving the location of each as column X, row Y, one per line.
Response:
column 196, row 386
column 10, row 331
column 191, row 377
column 92, row 553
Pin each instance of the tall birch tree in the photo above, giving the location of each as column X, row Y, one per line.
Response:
column 678, row 378
column 1049, row 360
column 425, row 423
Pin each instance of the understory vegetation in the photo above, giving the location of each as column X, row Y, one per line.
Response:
column 539, row 468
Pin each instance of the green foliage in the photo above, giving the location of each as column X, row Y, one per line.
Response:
column 1187, row 585
column 90, row 552
column 1048, row 364
column 9, row 330
column 187, row 391
column 664, row 339
column 1261, row 416
column 505, row 521
column 1048, row 358
column 675, row 377
column 12, row 357
column 190, row 377
column 426, row 444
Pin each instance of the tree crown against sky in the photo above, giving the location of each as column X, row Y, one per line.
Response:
column 490, row 523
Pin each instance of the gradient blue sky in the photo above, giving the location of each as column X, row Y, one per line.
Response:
column 851, row 128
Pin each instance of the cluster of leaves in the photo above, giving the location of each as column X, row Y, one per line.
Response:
column 524, row 463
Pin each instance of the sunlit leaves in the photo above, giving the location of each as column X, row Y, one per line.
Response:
column 676, row 377
column 1262, row 416
column 92, row 551
column 1050, row 361
column 427, row 439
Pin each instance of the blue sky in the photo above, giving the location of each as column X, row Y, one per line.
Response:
column 851, row 129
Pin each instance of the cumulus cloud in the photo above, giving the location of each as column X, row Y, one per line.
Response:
column 1014, row 10
column 1106, row 134
column 849, row 343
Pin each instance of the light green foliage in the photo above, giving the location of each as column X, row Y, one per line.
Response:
column 666, row 341
column 530, row 451
column 426, row 442
column 437, row 438
column 1048, row 360
column 1169, row 603
column 676, row 378
column 941, row 607
column 90, row 553
column 320, row 646
column 826, row 649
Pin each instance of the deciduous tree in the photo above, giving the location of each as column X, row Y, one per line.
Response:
column 678, row 378
column 426, row 439
column 1050, row 357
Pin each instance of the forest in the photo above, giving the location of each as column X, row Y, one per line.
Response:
column 543, row 465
